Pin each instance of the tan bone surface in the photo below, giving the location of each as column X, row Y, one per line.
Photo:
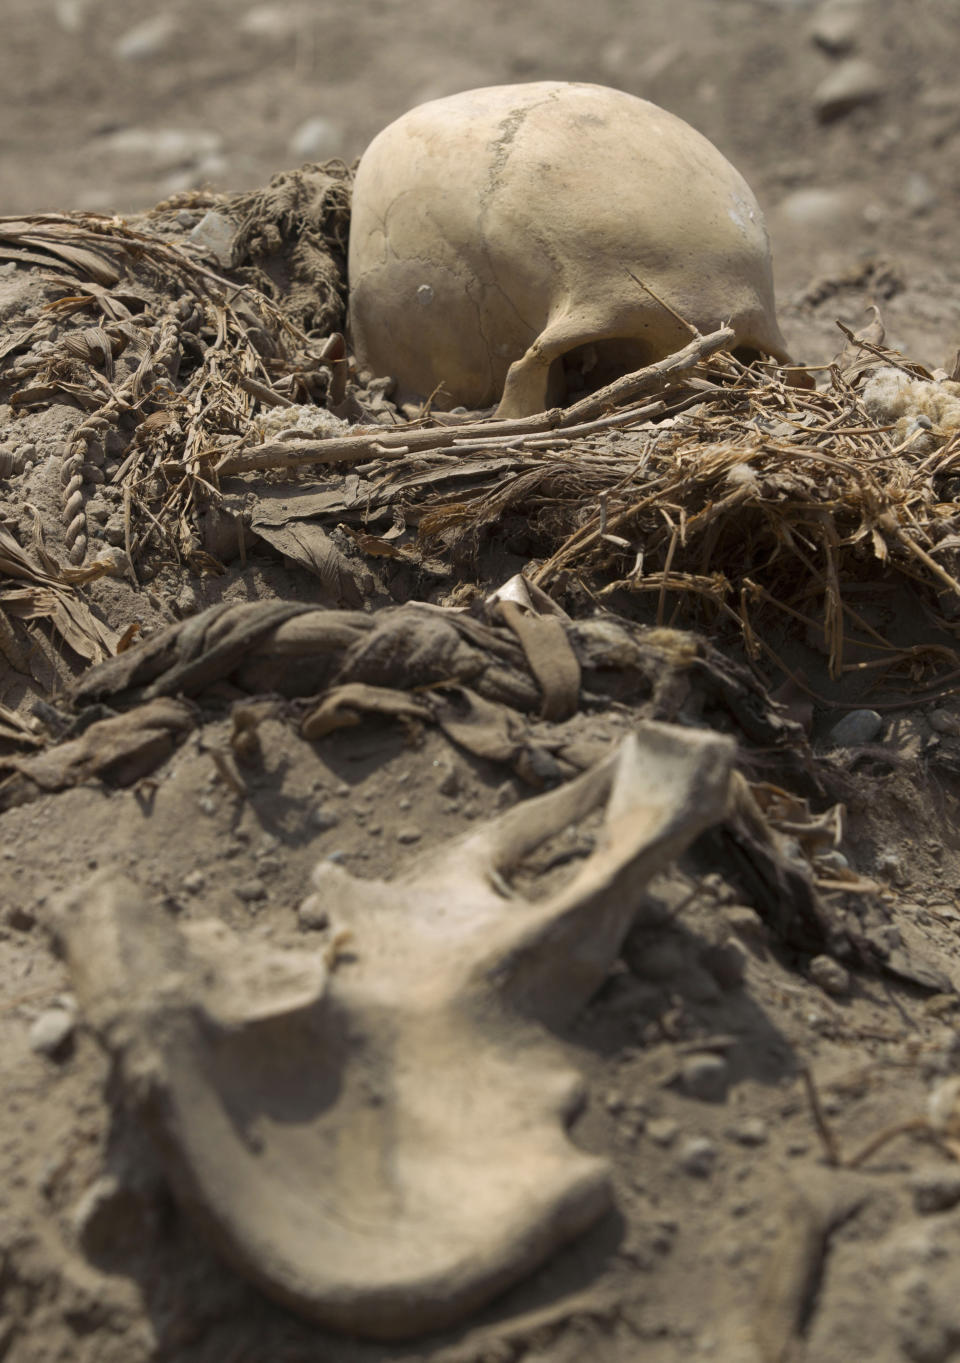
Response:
column 496, row 231
column 375, row 1132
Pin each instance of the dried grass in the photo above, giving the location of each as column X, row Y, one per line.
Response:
column 719, row 492
column 764, row 502
column 180, row 355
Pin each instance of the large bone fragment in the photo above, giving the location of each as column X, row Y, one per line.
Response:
column 376, row 1133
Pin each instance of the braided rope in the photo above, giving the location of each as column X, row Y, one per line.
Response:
column 82, row 461
column 84, row 454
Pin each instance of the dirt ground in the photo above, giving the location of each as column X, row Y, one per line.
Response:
column 734, row 1237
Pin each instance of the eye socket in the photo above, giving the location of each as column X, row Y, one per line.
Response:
column 591, row 366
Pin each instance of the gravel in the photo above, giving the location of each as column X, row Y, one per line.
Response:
column 830, row 975
column 705, row 1077
column 935, row 1189
column 698, row 1156
column 51, row 1032
column 856, row 728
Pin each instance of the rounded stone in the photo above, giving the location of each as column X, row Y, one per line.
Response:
column 945, row 722
column 698, row 1156
column 819, row 207
column 663, row 1130
column 746, row 923
column 853, row 83
column 312, row 914
column 322, row 819
column 251, row 891
column 836, row 26
column 705, row 1077
column 935, row 1189
column 751, row 1131
column 51, row 1031
column 857, row 727
column 830, row 975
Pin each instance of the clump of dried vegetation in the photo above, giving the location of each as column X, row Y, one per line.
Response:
column 714, row 492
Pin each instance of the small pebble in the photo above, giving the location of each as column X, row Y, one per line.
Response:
column 746, row 922
column 312, row 915
column 322, row 818
column 450, row 783
column 853, row 83
column 146, row 40
column 820, row 208
column 251, row 891
column 830, row 975
column 751, row 1131
column 663, row 1130
column 214, row 235
column 935, row 1189
column 856, row 728
column 889, row 863
column 409, row 835
column 51, row 1031
column 114, row 559
column 945, row 722
column 698, row 1156
column 832, row 860
column 114, row 531
column 836, row 26
column 208, row 804
column 705, row 1077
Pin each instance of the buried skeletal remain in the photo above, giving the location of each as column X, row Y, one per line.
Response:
column 501, row 235
column 378, row 1139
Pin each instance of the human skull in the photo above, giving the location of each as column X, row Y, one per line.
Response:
column 512, row 242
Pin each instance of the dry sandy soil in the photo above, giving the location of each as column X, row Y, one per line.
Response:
column 734, row 1237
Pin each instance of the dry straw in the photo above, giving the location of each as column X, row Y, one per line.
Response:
column 708, row 491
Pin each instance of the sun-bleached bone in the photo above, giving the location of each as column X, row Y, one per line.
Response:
column 496, row 231
column 375, row 1132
